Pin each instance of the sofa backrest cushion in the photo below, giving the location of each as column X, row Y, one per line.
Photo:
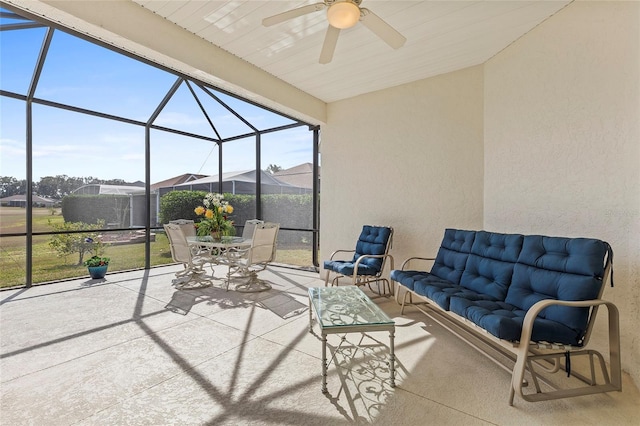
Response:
column 452, row 255
column 558, row 268
column 490, row 265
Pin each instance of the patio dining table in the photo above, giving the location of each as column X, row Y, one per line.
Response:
column 223, row 251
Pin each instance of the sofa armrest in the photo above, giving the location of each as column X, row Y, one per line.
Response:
column 532, row 313
column 527, row 330
column 415, row 258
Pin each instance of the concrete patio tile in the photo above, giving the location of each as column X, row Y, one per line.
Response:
column 93, row 382
column 79, row 320
column 260, row 383
column 135, row 350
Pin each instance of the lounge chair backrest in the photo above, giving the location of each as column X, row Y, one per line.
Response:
column 373, row 240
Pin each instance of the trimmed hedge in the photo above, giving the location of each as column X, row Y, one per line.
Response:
column 291, row 211
column 94, row 208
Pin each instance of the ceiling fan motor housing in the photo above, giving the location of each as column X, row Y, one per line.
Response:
column 343, row 14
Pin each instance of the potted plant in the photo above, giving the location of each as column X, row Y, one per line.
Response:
column 215, row 220
column 97, row 266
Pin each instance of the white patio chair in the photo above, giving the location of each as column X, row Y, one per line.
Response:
column 181, row 253
column 187, row 226
column 257, row 257
column 249, row 226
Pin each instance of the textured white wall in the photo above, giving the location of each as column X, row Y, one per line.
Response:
column 562, row 142
column 544, row 138
column 409, row 157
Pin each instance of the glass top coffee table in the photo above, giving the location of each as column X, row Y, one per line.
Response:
column 347, row 309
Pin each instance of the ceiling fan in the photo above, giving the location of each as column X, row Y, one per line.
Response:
column 342, row 14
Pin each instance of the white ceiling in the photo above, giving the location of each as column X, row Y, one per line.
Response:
column 442, row 36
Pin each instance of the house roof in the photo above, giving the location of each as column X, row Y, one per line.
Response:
column 238, row 176
column 177, row 180
column 23, row 197
column 101, row 189
column 300, row 175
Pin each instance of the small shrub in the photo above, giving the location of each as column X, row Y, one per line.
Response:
column 81, row 243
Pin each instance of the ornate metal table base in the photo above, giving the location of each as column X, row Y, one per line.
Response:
column 342, row 310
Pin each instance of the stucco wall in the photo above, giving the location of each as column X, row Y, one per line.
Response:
column 562, row 142
column 409, row 157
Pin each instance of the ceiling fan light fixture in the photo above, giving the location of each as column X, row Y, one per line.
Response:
column 343, row 14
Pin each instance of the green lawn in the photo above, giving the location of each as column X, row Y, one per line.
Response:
column 49, row 266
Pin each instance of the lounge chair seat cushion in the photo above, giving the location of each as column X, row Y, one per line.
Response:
column 346, row 267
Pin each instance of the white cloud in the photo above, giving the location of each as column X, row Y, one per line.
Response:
column 10, row 147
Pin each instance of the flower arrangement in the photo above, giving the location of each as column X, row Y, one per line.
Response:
column 215, row 217
column 96, row 261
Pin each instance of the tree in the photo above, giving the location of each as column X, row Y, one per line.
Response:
column 11, row 186
column 273, row 168
column 58, row 186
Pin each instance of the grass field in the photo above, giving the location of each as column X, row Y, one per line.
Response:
column 49, row 266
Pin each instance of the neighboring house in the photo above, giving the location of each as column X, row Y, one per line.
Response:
column 136, row 206
column 187, row 177
column 300, row 175
column 21, row 201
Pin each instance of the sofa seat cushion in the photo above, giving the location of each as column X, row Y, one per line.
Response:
column 442, row 294
column 504, row 321
column 346, row 267
column 434, row 288
column 409, row 278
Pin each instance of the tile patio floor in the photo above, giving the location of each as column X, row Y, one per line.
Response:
column 133, row 349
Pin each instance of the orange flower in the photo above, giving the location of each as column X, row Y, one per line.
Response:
column 208, row 214
column 199, row 210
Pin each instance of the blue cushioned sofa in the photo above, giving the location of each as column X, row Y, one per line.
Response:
column 505, row 289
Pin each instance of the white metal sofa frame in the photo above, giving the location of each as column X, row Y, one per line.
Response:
column 524, row 355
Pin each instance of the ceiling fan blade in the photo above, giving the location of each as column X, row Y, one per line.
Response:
column 329, row 45
column 380, row 28
column 293, row 13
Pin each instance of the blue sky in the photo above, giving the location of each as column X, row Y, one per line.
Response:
column 84, row 75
